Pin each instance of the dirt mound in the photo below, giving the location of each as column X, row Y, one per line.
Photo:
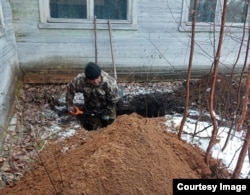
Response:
column 134, row 155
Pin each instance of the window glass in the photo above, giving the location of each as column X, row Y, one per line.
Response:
column 236, row 11
column 110, row 9
column 75, row 9
column 205, row 10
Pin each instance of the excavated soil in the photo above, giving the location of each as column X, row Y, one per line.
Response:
column 134, row 155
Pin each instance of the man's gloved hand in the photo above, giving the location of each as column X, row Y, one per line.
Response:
column 71, row 109
column 75, row 111
column 107, row 117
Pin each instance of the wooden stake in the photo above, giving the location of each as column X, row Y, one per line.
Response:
column 96, row 61
column 111, row 46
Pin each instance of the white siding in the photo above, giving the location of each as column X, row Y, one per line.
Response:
column 157, row 45
column 8, row 67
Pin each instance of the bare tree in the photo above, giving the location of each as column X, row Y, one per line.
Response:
column 242, row 154
column 241, row 75
column 189, row 69
column 213, row 84
column 245, row 100
column 242, row 118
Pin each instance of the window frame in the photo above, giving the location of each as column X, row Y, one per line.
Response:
column 186, row 25
column 64, row 23
column 1, row 21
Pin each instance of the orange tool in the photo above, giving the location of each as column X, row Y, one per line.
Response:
column 76, row 111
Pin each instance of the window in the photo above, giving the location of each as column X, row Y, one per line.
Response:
column 82, row 13
column 209, row 13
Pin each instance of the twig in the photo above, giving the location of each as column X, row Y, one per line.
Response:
column 58, row 168
column 47, row 172
column 100, row 186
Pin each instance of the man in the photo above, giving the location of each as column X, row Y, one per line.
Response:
column 100, row 93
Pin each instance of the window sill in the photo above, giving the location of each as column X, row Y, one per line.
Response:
column 209, row 27
column 87, row 26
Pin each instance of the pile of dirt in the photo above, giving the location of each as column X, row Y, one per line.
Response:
column 134, row 155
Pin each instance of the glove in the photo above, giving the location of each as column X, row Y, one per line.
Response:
column 107, row 117
column 71, row 109
column 74, row 110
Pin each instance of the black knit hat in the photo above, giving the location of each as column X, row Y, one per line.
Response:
column 92, row 71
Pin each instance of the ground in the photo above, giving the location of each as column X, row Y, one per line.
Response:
column 134, row 155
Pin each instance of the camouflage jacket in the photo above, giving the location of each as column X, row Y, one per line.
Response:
column 98, row 99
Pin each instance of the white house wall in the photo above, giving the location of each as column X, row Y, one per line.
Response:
column 157, row 45
column 8, row 65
